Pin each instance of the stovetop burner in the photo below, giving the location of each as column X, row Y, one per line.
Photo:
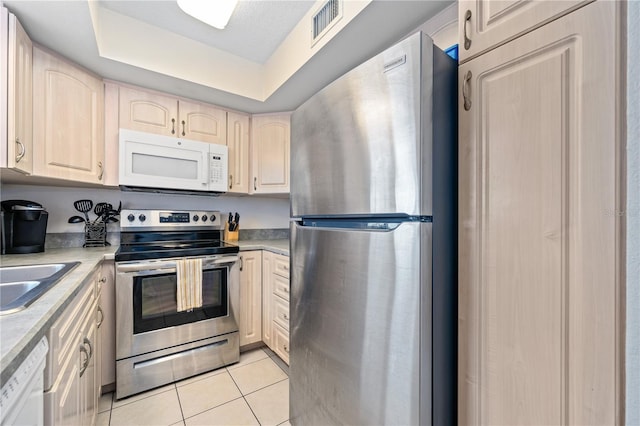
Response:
column 155, row 234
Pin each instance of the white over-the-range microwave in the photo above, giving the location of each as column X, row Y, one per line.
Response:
column 150, row 162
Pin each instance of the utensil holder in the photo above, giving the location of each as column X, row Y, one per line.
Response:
column 95, row 235
column 230, row 235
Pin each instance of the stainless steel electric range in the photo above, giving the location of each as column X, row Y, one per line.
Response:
column 156, row 344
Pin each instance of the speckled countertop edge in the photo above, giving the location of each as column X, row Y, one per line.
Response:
column 275, row 246
column 21, row 331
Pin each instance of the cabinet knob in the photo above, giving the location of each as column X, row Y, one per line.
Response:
column 285, row 316
column 22, row 152
column 286, row 348
column 467, row 39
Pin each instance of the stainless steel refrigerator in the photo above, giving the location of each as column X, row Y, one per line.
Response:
column 373, row 244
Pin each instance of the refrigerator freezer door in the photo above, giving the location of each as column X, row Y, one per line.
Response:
column 360, row 341
column 362, row 145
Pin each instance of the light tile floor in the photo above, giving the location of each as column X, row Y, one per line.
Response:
column 254, row 391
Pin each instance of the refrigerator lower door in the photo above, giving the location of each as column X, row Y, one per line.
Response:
column 361, row 325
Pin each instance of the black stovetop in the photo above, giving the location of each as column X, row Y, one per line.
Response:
column 162, row 245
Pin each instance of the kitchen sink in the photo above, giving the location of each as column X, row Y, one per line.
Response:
column 22, row 285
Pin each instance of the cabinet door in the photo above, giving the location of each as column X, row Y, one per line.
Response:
column 270, row 142
column 19, row 98
column 238, row 144
column 267, row 290
column 202, row 122
column 107, row 321
column 62, row 401
column 89, row 374
column 148, row 112
column 538, row 252
column 68, row 129
column 250, row 297
column 484, row 24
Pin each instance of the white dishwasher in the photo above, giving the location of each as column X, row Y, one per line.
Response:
column 22, row 397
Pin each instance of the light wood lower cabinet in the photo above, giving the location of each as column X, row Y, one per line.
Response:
column 72, row 373
column 68, row 120
column 250, row 297
column 275, row 303
column 539, row 278
column 107, row 325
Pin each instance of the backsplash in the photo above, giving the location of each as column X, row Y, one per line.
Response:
column 258, row 213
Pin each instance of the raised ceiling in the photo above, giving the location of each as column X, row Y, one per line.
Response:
column 251, row 66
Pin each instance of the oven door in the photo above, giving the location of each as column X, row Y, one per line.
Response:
column 146, row 309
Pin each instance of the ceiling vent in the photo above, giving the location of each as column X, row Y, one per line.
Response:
column 324, row 19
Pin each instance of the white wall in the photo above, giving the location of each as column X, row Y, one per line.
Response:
column 633, row 216
column 255, row 212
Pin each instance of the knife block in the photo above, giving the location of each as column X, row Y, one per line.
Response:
column 230, row 235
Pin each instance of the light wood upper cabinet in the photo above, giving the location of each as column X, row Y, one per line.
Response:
column 19, row 95
column 238, row 144
column 68, row 117
column 148, row 112
column 485, row 24
column 202, row 122
column 250, row 297
column 153, row 112
column 539, row 259
column 270, row 144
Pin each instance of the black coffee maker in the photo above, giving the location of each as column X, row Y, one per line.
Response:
column 24, row 226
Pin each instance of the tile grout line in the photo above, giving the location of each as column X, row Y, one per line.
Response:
column 180, row 405
column 245, row 399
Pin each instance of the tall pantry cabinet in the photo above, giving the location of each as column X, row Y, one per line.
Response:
column 540, row 249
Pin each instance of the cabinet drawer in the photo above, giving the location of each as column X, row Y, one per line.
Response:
column 281, row 265
column 281, row 312
column 281, row 337
column 281, row 286
column 62, row 334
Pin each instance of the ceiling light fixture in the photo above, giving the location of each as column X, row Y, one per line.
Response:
column 212, row 12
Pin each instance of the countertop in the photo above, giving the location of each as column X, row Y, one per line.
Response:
column 20, row 331
column 275, row 246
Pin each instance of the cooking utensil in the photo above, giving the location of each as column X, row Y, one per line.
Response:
column 76, row 219
column 100, row 209
column 230, row 221
column 83, row 206
column 236, row 221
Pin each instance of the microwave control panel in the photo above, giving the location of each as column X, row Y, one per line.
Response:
column 218, row 169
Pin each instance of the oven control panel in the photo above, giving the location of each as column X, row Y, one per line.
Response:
column 170, row 219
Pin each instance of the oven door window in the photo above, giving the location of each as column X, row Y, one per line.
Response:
column 155, row 306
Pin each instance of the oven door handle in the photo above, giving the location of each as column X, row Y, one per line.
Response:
column 169, row 266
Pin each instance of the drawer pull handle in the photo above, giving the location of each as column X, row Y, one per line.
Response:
column 255, row 183
column 466, row 89
column 173, row 126
column 183, row 133
column 101, row 317
column 467, row 40
column 88, row 342
column 101, row 170
column 85, row 363
column 23, row 150
column 230, row 181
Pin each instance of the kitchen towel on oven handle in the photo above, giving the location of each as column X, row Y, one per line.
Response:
column 189, row 284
